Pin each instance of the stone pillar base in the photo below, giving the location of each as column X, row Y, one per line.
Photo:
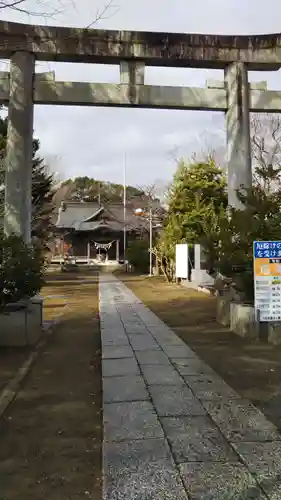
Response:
column 223, row 310
column 243, row 322
column 22, row 323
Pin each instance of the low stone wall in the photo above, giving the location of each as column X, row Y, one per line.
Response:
column 22, row 323
column 240, row 318
column 223, row 310
column 243, row 322
column 274, row 333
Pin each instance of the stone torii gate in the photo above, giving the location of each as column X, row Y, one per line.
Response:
column 132, row 51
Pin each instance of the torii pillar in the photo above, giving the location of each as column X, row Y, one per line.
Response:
column 238, row 131
column 18, row 175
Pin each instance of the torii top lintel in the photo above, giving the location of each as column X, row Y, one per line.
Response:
column 51, row 43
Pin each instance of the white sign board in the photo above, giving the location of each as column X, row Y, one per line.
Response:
column 182, row 261
column 267, row 277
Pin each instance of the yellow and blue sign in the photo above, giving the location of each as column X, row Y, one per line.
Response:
column 267, row 279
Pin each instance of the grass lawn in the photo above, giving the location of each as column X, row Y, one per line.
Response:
column 252, row 369
column 51, row 435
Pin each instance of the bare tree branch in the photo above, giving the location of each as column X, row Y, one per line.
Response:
column 266, row 150
column 174, row 155
column 45, row 10
column 104, row 13
column 206, row 152
column 11, row 4
column 152, row 194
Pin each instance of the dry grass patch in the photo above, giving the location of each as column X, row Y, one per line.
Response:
column 51, row 435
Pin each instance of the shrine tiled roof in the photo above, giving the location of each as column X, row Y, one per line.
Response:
column 90, row 216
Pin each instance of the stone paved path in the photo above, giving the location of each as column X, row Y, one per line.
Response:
column 173, row 429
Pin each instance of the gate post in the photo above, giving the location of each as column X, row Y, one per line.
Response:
column 88, row 252
column 238, row 131
column 132, row 75
column 18, row 175
column 117, row 250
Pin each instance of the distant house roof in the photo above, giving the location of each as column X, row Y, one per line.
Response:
column 90, row 216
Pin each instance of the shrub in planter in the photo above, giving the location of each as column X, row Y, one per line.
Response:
column 259, row 221
column 21, row 270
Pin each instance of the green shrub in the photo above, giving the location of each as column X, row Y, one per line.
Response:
column 259, row 221
column 21, row 270
column 138, row 254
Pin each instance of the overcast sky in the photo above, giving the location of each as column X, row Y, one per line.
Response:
column 93, row 141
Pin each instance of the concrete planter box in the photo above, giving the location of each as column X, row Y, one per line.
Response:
column 22, row 323
column 223, row 310
column 242, row 321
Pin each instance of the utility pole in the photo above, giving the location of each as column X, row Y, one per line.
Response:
column 125, row 209
column 150, row 241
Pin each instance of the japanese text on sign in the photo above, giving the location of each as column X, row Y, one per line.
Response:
column 267, row 278
column 267, row 249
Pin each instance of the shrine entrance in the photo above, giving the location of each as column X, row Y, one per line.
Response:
column 105, row 252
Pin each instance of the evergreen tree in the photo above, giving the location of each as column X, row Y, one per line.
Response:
column 197, row 200
column 259, row 221
column 198, row 188
column 42, row 197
